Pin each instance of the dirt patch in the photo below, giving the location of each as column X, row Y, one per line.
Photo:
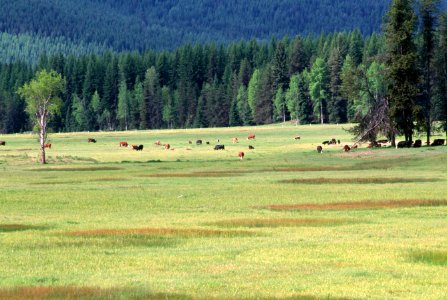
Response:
column 282, row 222
column 169, row 232
column 110, row 179
column 195, row 174
column 81, row 292
column 307, row 169
column 360, row 205
column 18, row 227
column 375, row 180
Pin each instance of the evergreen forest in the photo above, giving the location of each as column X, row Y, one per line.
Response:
column 380, row 81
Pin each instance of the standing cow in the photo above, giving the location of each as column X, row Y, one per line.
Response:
column 124, row 144
column 91, row 140
column 251, row 137
column 241, row 155
column 2, row 143
column 319, row 149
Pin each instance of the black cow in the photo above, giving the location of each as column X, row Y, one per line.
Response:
column 199, row 142
column 207, row 142
column 404, row 144
column 319, row 149
column 2, row 143
column 438, row 142
column 90, row 140
column 140, row 147
column 417, row 144
column 219, row 147
column 250, row 147
column 325, row 143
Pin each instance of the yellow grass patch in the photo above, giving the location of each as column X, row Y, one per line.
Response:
column 282, row 222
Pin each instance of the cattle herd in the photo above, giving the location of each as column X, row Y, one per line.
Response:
column 235, row 140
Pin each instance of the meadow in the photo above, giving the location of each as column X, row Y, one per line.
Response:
column 101, row 221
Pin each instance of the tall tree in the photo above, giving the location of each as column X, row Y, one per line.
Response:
column 43, row 102
column 318, row 87
column 440, row 70
column 428, row 10
column 401, row 57
column 123, row 113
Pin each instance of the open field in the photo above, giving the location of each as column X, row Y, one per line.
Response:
column 104, row 222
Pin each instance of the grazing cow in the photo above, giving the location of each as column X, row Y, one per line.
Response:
column 158, row 143
column 417, row 144
column 235, row 140
column 135, row 147
column 140, row 147
column 199, row 142
column 219, row 147
column 251, row 147
column 338, row 142
column 438, row 142
column 297, row 137
column 47, row 146
column 2, row 143
column 319, row 149
column 167, row 146
column 251, row 137
column 404, row 144
column 346, row 148
column 90, row 140
column 124, row 144
column 207, row 142
column 241, row 155
column 333, row 142
column 325, row 143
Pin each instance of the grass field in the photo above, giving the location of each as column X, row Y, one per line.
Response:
column 104, row 222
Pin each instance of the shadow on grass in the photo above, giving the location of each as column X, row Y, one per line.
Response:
column 95, row 293
column 431, row 257
column 19, row 227
column 375, row 180
column 359, row 205
column 311, row 222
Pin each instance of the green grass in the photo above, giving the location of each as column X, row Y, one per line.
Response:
column 106, row 222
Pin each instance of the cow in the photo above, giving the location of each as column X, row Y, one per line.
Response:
column 438, row 142
column 90, row 140
column 251, row 147
column 219, row 147
column 297, row 137
column 207, row 142
column 190, row 142
column 135, row 147
column 158, row 143
column 338, row 142
column 241, row 155
column 333, row 142
column 346, row 148
column 199, row 142
column 404, row 144
column 140, row 148
column 319, row 149
column 251, row 137
column 2, row 143
column 47, row 146
column 124, row 144
column 417, row 144
column 235, row 140
column 354, row 147
column 326, row 143
column 167, row 146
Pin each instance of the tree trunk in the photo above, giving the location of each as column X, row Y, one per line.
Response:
column 42, row 138
column 321, row 113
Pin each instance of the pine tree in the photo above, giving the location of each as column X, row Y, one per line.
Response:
column 123, row 112
column 337, row 105
column 440, row 70
column 318, row 87
column 401, row 57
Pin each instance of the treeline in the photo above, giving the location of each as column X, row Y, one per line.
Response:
column 335, row 78
column 141, row 25
column 195, row 85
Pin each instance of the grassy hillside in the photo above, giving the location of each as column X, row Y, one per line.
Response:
column 103, row 222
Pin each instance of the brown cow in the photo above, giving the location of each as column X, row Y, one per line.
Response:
column 346, row 148
column 124, row 144
column 167, row 146
column 90, row 140
column 251, row 137
column 319, row 149
column 2, row 143
column 297, row 137
column 135, row 147
column 241, row 155
column 158, row 143
column 47, row 146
